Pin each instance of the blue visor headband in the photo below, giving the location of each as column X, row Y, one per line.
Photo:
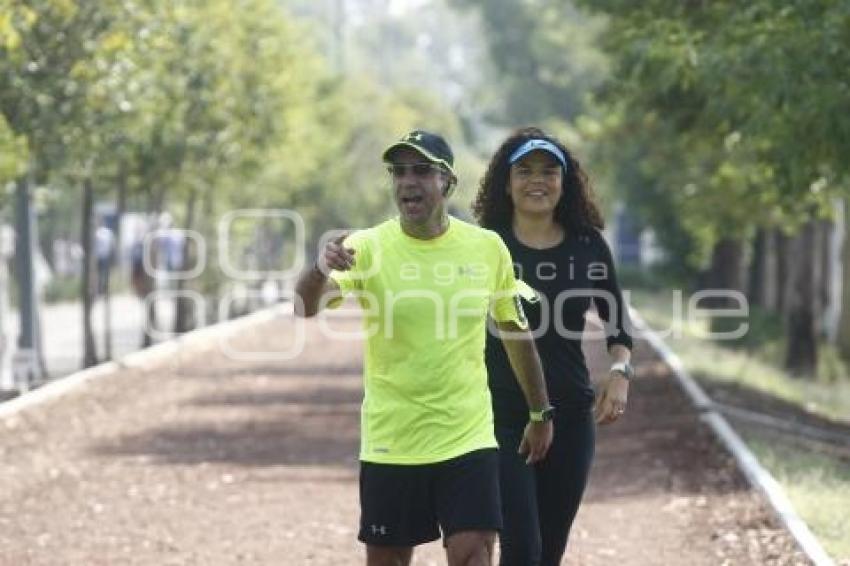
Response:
column 534, row 145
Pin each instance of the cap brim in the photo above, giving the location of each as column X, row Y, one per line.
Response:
column 533, row 145
column 546, row 150
column 425, row 153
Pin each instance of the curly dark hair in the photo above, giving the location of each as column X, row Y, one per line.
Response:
column 577, row 211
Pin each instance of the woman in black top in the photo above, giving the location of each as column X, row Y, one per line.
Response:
column 536, row 196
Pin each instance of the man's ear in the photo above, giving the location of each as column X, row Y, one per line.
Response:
column 449, row 188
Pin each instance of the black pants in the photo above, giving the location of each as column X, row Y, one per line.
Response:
column 539, row 502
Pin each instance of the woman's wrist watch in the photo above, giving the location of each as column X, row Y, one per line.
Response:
column 624, row 368
column 543, row 415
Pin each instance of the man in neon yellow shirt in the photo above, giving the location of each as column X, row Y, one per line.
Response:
column 426, row 283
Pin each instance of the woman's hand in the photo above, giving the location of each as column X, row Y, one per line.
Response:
column 611, row 401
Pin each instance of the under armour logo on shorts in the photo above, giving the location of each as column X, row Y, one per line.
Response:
column 382, row 530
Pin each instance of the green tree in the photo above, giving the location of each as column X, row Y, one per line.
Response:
column 747, row 99
column 49, row 54
column 546, row 57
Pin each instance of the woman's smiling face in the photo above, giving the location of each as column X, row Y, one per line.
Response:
column 534, row 184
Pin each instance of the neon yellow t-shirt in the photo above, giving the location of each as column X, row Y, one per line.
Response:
column 425, row 306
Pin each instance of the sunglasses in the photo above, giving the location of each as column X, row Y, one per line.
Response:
column 418, row 169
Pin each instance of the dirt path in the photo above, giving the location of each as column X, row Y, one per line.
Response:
column 214, row 461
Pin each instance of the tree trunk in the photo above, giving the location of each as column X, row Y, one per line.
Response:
column 726, row 265
column 801, row 301
column 185, row 317
column 783, row 242
column 107, row 318
column 150, row 324
column 146, row 287
column 209, row 280
column 155, row 202
column 115, row 260
column 844, row 319
column 28, row 367
column 824, row 279
column 763, row 288
column 725, row 272
column 159, row 199
column 89, row 274
column 834, row 236
column 121, row 207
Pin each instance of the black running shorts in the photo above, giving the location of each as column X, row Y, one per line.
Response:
column 406, row 505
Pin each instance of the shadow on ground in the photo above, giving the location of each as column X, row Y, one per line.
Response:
column 318, row 425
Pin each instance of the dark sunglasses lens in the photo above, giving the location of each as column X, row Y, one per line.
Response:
column 418, row 169
column 421, row 169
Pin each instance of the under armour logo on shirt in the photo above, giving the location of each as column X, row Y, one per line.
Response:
column 415, row 136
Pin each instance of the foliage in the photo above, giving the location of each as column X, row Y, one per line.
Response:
column 13, row 155
column 546, row 57
column 730, row 113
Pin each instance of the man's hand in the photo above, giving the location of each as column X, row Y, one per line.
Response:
column 611, row 402
column 314, row 282
column 536, row 440
column 335, row 256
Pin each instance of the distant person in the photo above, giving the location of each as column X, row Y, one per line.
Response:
column 170, row 243
column 141, row 280
column 176, row 248
column 537, row 198
column 104, row 248
column 428, row 455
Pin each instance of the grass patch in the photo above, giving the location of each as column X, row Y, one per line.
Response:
column 817, row 485
column 751, row 362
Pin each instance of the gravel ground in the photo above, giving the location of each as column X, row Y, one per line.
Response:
column 213, row 461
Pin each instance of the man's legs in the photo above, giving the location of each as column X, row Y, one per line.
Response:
column 470, row 548
column 468, row 507
column 397, row 512
column 388, row 555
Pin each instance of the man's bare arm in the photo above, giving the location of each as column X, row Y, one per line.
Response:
column 522, row 353
column 311, row 286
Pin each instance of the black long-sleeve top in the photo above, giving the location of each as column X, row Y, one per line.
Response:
column 567, row 277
